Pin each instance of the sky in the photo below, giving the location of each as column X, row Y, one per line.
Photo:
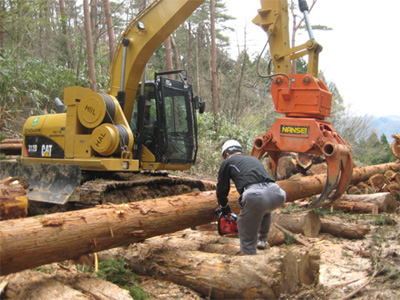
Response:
column 360, row 53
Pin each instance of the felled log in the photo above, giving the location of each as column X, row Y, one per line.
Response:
column 354, row 207
column 216, row 275
column 13, row 199
column 11, row 141
column 61, row 284
column 313, row 185
column 11, row 146
column 345, row 230
column 35, row 241
column 32, row 242
column 384, row 202
column 304, row 222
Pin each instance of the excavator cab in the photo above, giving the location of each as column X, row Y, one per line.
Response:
column 164, row 121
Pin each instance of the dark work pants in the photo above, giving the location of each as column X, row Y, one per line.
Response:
column 258, row 201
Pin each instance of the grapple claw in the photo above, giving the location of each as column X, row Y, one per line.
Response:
column 339, row 160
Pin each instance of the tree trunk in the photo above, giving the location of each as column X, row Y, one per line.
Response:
column 89, row 46
column 2, row 11
column 168, row 54
column 32, row 242
column 176, row 53
column 215, row 275
column 189, row 58
column 340, row 229
column 305, row 222
column 214, row 76
column 110, row 28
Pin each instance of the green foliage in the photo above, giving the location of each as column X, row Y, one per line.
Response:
column 211, row 141
column 115, row 272
column 381, row 220
column 289, row 239
column 373, row 151
column 291, row 209
column 32, row 83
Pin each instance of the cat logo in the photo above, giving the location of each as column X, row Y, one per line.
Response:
column 46, row 150
column 296, row 130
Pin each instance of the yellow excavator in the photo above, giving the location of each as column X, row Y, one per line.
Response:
column 135, row 125
column 138, row 125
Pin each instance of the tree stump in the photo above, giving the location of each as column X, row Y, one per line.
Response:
column 305, row 222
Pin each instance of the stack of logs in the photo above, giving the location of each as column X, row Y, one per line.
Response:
column 11, row 148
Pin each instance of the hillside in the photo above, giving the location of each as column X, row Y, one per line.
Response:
column 387, row 125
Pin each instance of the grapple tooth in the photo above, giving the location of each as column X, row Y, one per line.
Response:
column 340, row 167
column 345, row 176
column 331, row 180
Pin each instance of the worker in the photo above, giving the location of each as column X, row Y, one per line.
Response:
column 259, row 195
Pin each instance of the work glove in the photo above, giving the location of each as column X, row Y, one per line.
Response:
column 226, row 210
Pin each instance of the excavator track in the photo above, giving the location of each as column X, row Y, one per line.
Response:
column 118, row 188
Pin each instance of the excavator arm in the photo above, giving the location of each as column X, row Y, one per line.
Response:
column 137, row 44
column 304, row 100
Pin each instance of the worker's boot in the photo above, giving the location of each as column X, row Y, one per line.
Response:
column 262, row 244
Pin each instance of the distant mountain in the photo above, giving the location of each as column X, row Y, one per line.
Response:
column 387, row 125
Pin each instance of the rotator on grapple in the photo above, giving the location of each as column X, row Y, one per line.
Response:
column 305, row 101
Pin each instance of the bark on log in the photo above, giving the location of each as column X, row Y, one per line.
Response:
column 305, row 222
column 215, row 275
column 340, row 229
column 10, row 147
column 32, row 242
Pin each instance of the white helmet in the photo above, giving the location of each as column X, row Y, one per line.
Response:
column 231, row 144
